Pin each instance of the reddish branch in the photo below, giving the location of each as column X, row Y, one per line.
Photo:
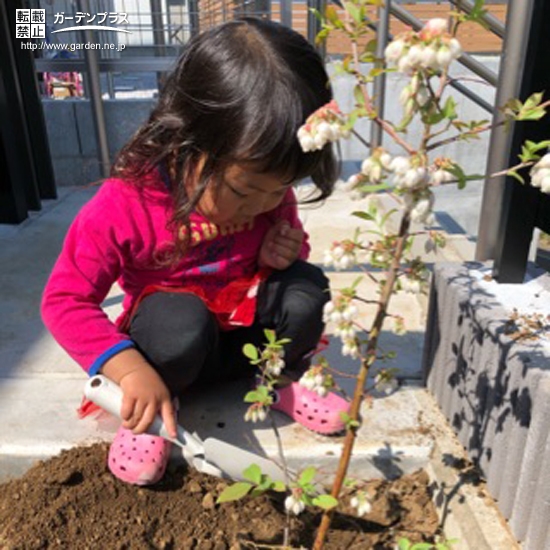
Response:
column 366, row 362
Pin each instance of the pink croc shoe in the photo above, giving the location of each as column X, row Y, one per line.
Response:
column 138, row 459
column 319, row 414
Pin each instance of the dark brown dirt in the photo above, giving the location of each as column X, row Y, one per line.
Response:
column 72, row 502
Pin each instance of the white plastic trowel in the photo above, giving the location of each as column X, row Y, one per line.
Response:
column 211, row 456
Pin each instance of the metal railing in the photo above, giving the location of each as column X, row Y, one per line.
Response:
column 159, row 29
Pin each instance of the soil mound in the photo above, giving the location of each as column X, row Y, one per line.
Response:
column 72, row 502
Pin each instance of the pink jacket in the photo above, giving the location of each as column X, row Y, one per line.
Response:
column 116, row 237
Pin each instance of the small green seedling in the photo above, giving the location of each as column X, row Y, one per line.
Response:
column 257, row 484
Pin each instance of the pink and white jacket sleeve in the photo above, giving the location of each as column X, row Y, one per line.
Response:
column 86, row 269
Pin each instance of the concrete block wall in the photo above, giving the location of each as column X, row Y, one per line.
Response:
column 493, row 388
column 72, row 137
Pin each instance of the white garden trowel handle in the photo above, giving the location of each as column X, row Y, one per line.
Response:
column 107, row 395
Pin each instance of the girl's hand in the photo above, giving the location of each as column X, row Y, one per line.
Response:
column 281, row 246
column 144, row 393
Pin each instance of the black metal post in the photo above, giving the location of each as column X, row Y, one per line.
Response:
column 158, row 35
column 194, row 19
column 313, row 24
column 286, row 12
column 511, row 75
column 34, row 113
column 18, row 185
column 379, row 86
column 96, row 101
column 510, row 210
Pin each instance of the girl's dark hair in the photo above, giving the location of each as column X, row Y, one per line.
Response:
column 239, row 93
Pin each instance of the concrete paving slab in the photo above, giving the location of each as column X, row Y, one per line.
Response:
column 388, row 443
column 467, row 512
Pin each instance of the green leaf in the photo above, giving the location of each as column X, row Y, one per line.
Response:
column 252, row 397
column 363, row 215
column 250, row 351
column 404, row 544
column 530, row 110
column 533, row 100
column 432, row 118
column 322, row 35
column 270, row 335
column 356, row 282
column 307, row 475
column 253, row 473
column 402, row 126
column 459, row 174
column 449, row 109
column 266, row 483
column 515, row 175
column 368, row 57
column 317, row 14
column 263, row 391
column 258, row 395
column 234, row 492
column 370, row 46
column 348, row 421
column 514, row 104
column 354, row 11
column 331, row 14
column 535, row 114
column 530, row 149
column 477, row 13
column 377, row 71
column 525, row 155
column 326, row 502
column 352, row 119
column 359, row 96
column 374, row 188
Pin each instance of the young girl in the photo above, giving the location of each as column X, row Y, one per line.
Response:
column 199, row 226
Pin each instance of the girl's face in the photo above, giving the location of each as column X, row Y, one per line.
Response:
column 241, row 195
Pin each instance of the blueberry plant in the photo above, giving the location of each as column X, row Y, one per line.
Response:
column 385, row 255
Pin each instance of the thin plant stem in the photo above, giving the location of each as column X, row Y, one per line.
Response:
column 475, row 131
column 366, row 362
column 461, row 135
column 384, row 124
column 282, row 457
column 361, row 139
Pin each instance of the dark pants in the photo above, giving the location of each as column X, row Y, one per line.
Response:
column 180, row 337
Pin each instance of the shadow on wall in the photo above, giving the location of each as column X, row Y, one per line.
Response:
column 487, row 362
column 488, row 369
